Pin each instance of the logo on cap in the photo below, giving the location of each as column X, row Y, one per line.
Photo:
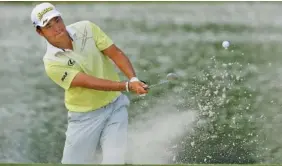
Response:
column 45, row 21
column 40, row 15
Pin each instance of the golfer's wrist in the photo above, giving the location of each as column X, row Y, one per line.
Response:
column 133, row 79
column 127, row 86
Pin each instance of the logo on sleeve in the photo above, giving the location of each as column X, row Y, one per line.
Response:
column 64, row 76
column 71, row 62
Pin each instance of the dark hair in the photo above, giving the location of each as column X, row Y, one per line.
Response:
column 38, row 28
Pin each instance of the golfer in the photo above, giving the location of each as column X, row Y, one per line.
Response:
column 81, row 59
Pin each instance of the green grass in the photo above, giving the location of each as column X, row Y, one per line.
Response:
column 147, row 164
column 114, row 2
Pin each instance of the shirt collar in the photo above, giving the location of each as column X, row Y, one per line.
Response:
column 71, row 32
column 52, row 49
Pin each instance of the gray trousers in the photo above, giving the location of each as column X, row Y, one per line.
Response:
column 107, row 126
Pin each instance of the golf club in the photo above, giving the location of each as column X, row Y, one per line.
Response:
column 170, row 77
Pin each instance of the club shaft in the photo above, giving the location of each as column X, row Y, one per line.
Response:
column 160, row 83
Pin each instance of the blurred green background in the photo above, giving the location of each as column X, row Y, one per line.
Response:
column 226, row 107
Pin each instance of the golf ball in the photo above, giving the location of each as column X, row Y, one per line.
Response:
column 225, row 44
column 171, row 76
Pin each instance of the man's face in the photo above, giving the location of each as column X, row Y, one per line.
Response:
column 54, row 31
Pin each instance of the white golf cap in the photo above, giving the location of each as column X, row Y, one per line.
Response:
column 43, row 13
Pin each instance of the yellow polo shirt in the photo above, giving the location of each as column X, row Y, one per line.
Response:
column 62, row 66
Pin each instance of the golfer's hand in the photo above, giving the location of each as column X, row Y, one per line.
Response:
column 138, row 87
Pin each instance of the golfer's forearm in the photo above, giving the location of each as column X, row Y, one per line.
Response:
column 86, row 81
column 125, row 65
column 122, row 62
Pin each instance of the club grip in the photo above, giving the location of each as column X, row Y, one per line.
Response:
column 145, row 83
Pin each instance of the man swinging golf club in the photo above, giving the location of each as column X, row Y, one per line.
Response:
column 78, row 59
